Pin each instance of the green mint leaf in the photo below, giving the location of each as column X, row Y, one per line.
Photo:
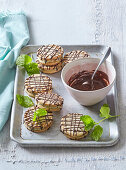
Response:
column 88, row 122
column 32, row 68
column 23, row 60
column 105, row 111
column 34, row 118
column 39, row 113
column 24, row 101
column 97, row 133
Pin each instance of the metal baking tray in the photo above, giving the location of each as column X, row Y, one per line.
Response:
column 53, row 137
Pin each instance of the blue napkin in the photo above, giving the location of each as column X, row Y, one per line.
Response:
column 14, row 34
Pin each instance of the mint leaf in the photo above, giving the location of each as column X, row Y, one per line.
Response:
column 39, row 113
column 88, row 122
column 34, row 118
column 32, row 68
column 105, row 110
column 26, row 62
column 97, row 133
column 24, row 101
column 23, row 60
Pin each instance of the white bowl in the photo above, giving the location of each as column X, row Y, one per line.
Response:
column 88, row 98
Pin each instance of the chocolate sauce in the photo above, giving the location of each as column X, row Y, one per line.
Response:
column 82, row 81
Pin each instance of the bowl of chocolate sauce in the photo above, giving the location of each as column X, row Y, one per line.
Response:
column 76, row 77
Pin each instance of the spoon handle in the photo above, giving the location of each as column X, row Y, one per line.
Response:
column 102, row 61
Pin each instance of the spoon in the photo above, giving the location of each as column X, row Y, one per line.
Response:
column 101, row 61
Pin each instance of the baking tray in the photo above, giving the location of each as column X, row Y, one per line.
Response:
column 53, row 137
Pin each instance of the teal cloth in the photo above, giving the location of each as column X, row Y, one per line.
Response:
column 14, row 34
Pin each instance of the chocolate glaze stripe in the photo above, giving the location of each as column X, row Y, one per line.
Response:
column 38, row 82
column 42, row 49
column 39, row 61
column 41, row 87
column 52, row 98
column 37, row 76
column 77, row 54
column 51, row 47
column 73, row 55
column 32, row 82
column 52, row 67
column 53, row 51
column 71, row 123
column 45, row 47
column 28, row 118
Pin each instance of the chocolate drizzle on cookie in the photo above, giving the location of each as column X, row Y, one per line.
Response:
column 50, row 99
column 74, row 55
column 43, row 123
column 38, row 83
column 72, row 126
column 49, row 67
column 47, row 52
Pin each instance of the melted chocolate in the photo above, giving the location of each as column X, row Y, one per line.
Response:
column 82, row 81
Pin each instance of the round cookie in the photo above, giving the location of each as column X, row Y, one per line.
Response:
column 37, row 126
column 72, row 127
column 74, row 55
column 49, row 69
column 37, row 83
column 49, row 54
column 49, row 101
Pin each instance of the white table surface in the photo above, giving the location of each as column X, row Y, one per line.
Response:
column 72, row 22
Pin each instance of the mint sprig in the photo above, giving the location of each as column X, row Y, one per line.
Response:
column 105, row 111
column 23, row 60
column 32, row 68
column 24, row 101
column 97, row 133
column 39, row 114
column 90, row 123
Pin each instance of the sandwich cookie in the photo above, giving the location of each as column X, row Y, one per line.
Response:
column 49, row 68
column 37, row 83
column 41, row 125
column 49, row 101
column 72, row 127
column 74, row 55
column 50, row 54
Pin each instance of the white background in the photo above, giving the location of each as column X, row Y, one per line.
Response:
column 73, row 22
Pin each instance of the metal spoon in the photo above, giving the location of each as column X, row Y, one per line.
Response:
column 101, row 61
